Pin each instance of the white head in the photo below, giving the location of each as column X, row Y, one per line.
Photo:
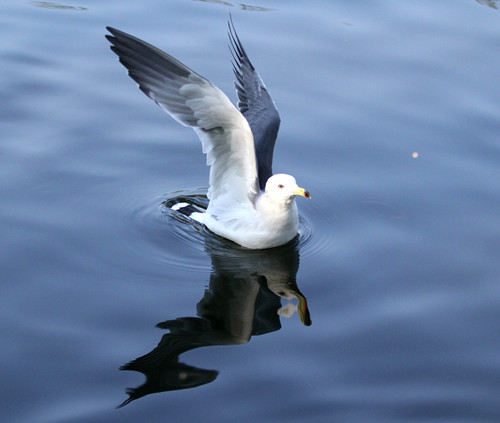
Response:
column 282, row 188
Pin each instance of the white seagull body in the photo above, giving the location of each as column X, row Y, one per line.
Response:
column 247, row 204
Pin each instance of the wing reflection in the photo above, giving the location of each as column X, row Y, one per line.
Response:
column 243, row 299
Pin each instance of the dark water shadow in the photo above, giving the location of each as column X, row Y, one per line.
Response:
column 243, row 299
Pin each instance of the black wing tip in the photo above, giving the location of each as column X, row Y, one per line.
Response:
column 230, row 22
column 239, row 56
column 114, row 38
column 114, row 32
column 234, row 40
column 121, row 36
column 111, row 38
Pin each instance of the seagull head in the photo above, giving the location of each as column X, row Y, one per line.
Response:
column 283, row 188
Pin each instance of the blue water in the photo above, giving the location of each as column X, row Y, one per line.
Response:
column 390, row 118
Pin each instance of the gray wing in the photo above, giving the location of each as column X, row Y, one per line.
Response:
column 256, row 105
column 193, row 101
column 159, row 75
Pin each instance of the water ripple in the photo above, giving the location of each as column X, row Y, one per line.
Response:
column 313, row 242
column 158, row 238
column 168, row 237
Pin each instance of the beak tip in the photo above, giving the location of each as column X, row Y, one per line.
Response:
column 302, row 192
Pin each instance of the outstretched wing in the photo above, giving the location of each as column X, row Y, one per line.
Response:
column 193, row 101
column 256, row 105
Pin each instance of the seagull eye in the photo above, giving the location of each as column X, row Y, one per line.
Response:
column 280, row 186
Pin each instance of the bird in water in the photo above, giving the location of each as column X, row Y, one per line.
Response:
column 247, row 203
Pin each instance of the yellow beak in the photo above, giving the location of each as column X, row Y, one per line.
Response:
column 302, row 192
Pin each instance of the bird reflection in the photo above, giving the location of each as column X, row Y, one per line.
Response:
column 243, row 299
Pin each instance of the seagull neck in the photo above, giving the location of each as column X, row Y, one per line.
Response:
column 267, row 203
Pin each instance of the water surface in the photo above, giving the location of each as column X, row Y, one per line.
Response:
column 390, row 117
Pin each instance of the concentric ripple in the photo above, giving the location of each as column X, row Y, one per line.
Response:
column 165, row 236
column 314, row 241
column 159, row 238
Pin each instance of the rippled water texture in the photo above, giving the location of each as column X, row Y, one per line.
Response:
column 384, row 309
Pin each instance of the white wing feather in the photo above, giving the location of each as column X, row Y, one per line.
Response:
column 193, row 101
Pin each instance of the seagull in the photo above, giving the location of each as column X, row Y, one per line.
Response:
column 247, row 203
